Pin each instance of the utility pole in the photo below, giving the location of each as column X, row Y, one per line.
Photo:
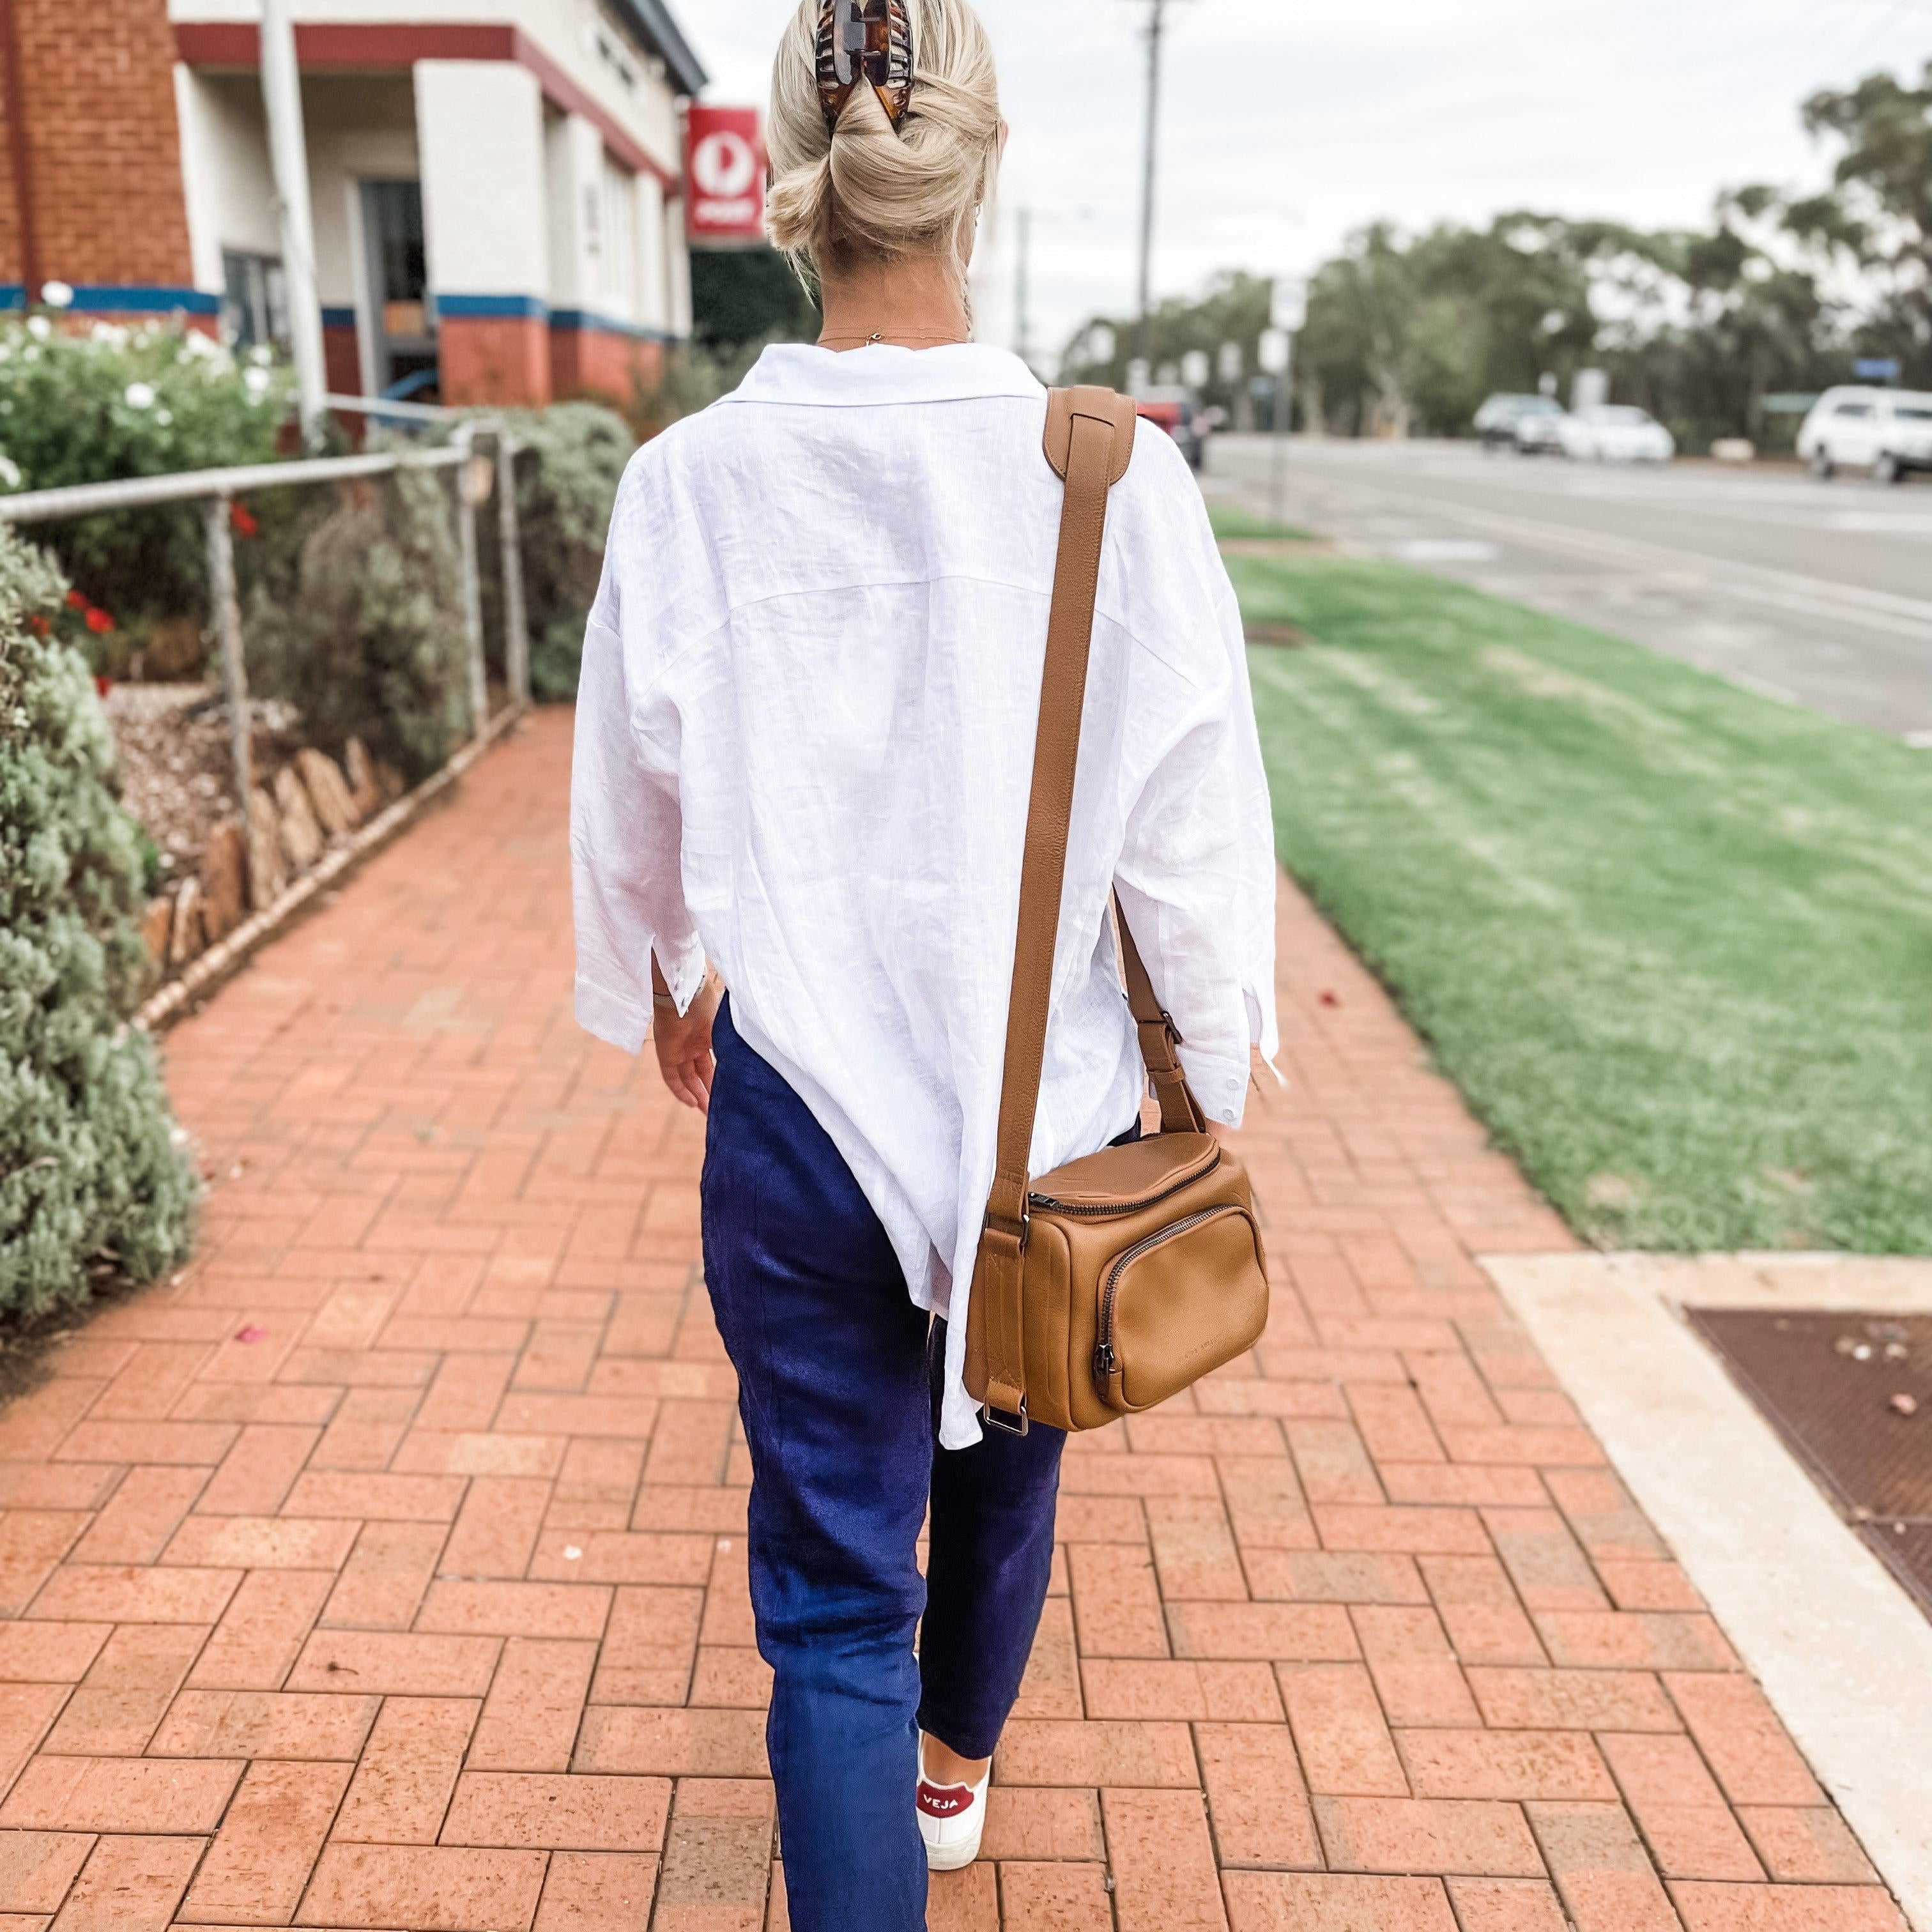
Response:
column 1022, row 291
column 288, row 149
column 1156, row 27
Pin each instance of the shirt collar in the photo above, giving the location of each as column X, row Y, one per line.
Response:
column 801, row 372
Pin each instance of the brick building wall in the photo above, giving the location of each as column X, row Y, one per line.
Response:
column 97, row 79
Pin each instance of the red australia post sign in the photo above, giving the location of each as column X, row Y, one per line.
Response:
column 725, row 175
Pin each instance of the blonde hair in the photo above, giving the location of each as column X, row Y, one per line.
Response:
column 870, row 188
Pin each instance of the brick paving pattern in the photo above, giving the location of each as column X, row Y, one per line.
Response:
column 387, row 1569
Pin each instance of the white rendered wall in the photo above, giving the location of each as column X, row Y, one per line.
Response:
column 654, row 293
column 360, row 128
column 679, row 265
column 225, row 172
column 576, row 156
column 567, row 30
column 480, row 127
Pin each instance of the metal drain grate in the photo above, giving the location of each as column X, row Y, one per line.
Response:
column 1852, row 1394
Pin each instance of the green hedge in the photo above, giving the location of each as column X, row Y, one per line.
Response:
column 92, row 1180
column 566, row 484
column 114, row 402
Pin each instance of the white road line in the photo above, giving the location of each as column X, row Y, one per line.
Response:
column 1843, row 1653
column 1815, row 596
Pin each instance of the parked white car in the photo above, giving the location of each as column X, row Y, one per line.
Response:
column 1528, row 424
column 1617, row 433
column 1888, row 431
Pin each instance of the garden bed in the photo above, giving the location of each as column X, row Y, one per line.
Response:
column 211, row 863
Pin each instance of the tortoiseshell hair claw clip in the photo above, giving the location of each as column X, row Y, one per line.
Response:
column 868, row 41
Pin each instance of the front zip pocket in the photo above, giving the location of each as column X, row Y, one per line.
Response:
column 1225, row 1310
column 1104, row 1360
column 1107, row 1210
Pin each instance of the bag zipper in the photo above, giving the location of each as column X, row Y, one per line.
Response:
column 1105, row 1361
column 1106, row 1210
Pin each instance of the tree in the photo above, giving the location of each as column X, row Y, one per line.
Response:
column 1880, row 210
column 1235, row 309
column 743, row 295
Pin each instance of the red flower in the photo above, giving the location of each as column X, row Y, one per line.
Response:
column 102, row 685
column 245, row 524
column 98, row 621
column 39, row 626
column 77, row 600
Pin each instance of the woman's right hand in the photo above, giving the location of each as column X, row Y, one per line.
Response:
column 683, row 1043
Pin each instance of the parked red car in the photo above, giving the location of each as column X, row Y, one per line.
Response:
column 1176, row 412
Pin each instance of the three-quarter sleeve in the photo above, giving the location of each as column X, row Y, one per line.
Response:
column 625, row 833
column 1196, row 880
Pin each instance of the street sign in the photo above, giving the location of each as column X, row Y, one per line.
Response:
column 1230, row 369
column 1195, row 368
column 1140, row 375
column 1876, row 369
column 1276, row 351
column 1291, row 304
column 724, row 177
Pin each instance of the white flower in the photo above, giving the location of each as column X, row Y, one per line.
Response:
column 39, row 328
column 32, row 353
column 164, row 417
column 6, row 352
column 261, row 356
column 139, row 396
column 110, row 333
column 57, row 295
column 9, row 473
column 256, row 381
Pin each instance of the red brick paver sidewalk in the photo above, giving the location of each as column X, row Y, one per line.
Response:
column 387, row 1569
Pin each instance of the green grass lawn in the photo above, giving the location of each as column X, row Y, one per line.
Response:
column 1673, row 940
column 1231, row 522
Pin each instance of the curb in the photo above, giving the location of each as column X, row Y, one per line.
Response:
column 226, row 956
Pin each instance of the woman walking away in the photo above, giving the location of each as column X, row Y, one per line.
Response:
column 805, row 744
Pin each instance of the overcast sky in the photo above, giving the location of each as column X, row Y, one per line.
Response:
column 1287, row 124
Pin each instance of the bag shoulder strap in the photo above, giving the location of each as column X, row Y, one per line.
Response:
column 1090, row 442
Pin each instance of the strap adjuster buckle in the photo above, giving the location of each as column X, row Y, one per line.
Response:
column 995, row 1418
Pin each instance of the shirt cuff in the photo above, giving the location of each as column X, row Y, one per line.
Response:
column 611, row 1017
column 685, row 975
column 1220, row 1083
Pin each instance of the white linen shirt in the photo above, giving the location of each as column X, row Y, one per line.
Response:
column 805, row 741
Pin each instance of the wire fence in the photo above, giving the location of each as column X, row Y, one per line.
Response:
column 356, row 622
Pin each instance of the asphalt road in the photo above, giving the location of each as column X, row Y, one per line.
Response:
column 1818, row 593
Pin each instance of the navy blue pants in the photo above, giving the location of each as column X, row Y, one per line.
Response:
column 838, row 1378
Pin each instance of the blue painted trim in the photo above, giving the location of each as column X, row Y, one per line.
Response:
column 464, row 308
column 107, row 298
column 588, row 321
column 337, row 318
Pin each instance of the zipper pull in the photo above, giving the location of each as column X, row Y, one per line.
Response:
column 1103, row 1359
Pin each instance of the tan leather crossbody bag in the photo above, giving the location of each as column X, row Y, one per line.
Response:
column 1113, row 1283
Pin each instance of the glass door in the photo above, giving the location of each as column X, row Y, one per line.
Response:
column 401, row 327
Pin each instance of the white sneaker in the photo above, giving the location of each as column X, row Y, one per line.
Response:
column 951, row 1820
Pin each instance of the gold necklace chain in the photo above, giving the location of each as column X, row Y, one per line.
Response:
column 879, row 338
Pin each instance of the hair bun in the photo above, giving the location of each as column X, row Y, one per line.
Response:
column 858, row 177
